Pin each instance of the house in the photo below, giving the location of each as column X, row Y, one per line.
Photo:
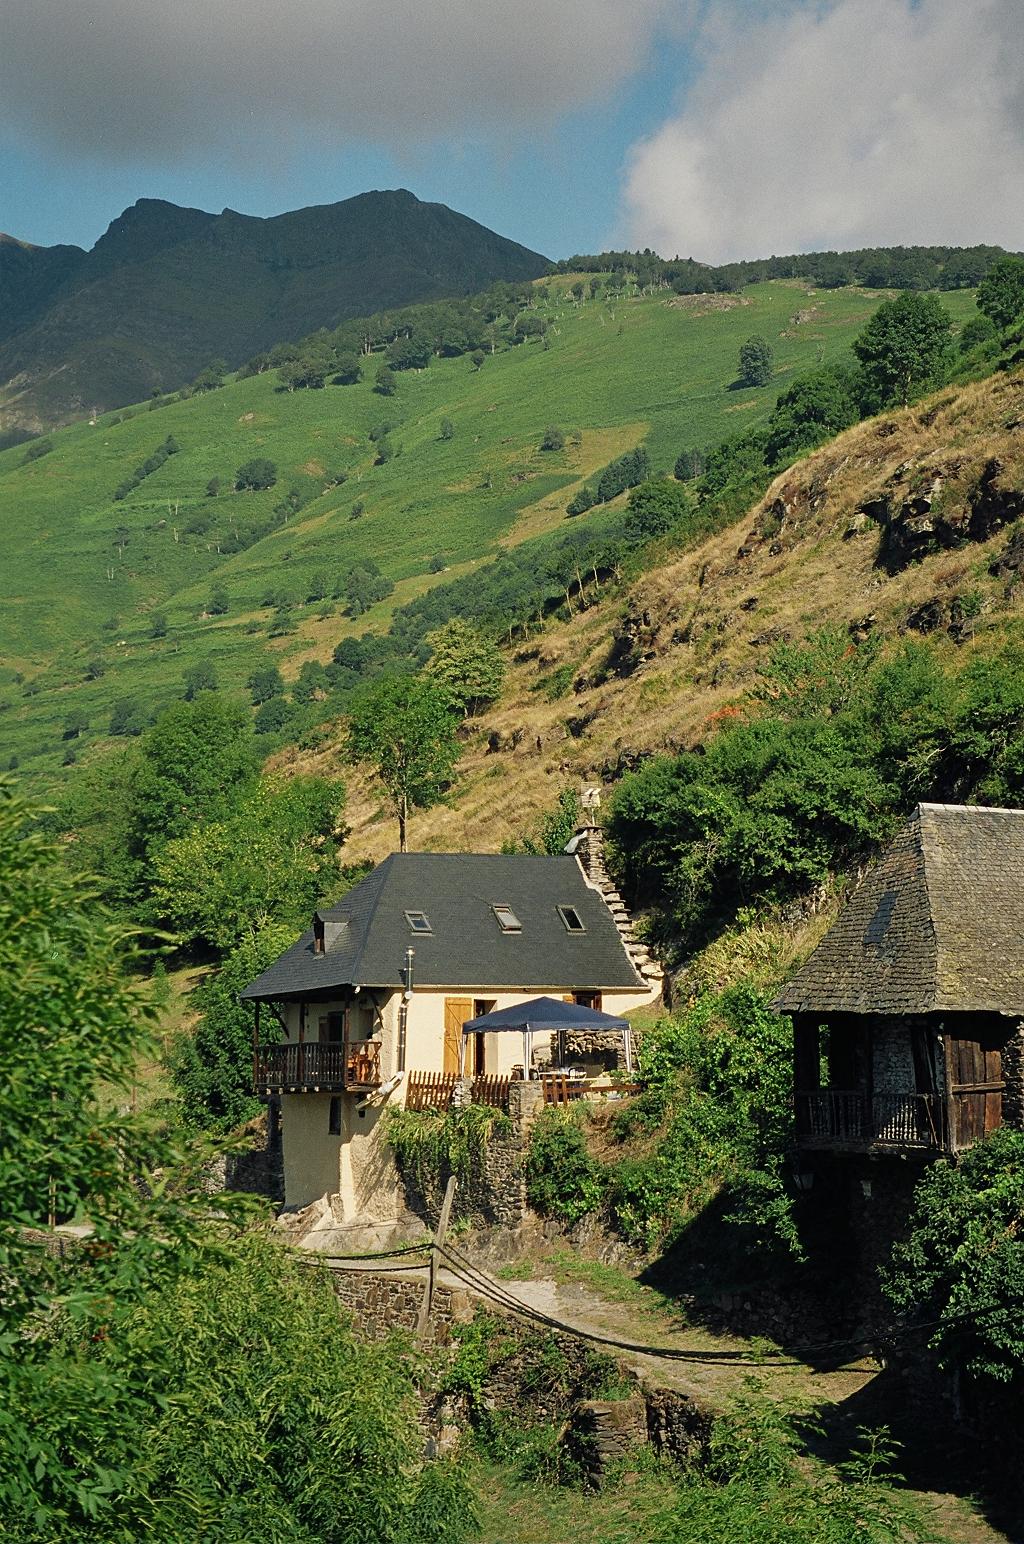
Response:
column 908, row 1018
column 374, row 995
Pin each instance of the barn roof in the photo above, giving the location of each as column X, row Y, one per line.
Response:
column 936, row 926
column 458, row 934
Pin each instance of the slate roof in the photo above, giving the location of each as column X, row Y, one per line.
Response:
column 936, row 926
column 466, row 946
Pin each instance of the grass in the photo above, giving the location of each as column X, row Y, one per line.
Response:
column 518, row 1512
column 84, row 575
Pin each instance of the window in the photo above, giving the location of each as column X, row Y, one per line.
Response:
column 587, row 1000
column 572, row 919
column 334, row 1117
column 507, row 919
column 418, row 921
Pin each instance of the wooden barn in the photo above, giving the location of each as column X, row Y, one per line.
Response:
column 908, row 1018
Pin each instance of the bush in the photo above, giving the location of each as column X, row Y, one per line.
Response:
column 553, row 438
column 961, row 1264
column 562, row 1179
column 757, row 361
column 256, row 475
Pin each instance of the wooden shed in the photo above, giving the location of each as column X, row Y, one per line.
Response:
column 908, row 1018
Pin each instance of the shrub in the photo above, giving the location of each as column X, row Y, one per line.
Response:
column 256, row 474
column 562, row 1179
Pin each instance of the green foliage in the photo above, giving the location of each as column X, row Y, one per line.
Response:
column 553, row 438
column 1001, row 292
column 467, row 665
column 178, row 1375
column 432, row 1144
column 385, row 383
column 259, row 473
column 35, row 451
column 403, row 726
column 816, row 407
column 270, row 858
column 655, row 507
column 979, row 330
column 760, row 1489
column 211, row 1063
column 757, row 361
column 903, row 351
column 153, row 463
column 843, row 743
column 195, row 764
column 962, row 1261
column 716, row 1085
column 562, row 1179
column 264, row 684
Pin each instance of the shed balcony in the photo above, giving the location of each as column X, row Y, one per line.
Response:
column 849, row 1120
column 315, row 1067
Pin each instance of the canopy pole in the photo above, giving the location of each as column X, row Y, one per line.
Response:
column 627, row 1045
column 529, row 1059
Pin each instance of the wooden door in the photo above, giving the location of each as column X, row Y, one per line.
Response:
column 975, row 1071
column 456, row 1011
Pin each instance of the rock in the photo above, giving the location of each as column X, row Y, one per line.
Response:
column 769, row 636
column 504, row 740
column 857, row 526
column 860, row 628
column 1011, row 560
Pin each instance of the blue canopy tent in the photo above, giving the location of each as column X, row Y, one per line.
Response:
column 548, row 1014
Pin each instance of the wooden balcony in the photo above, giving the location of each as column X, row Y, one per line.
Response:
column 315, row 1067
column 847, row 1120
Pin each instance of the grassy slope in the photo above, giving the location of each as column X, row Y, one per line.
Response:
column 700, row 617
column 616, row 371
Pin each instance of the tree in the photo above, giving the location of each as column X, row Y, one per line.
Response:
column 654, row 507
column 127, row 717
column 211, row 1064
column 447, row 430
column 220, row 601
column 349, row 370
column 272, row 716
column 264, row 684
column 816, row 407
column 553, row 438
column 130, row 1407
column 405, row 728
column 199, row 678
column 477, row 358
column 385, row 382
column 312, row 684
column 757, row 361
column 256, row 474
column 213, row 487
column 903, row 350
column 95, row 669
column 468, row 666
column 980, row 329
column 196, row 763
column 269, row 859
column 1001, row 292
column 963, row 1253
column 158, row 625
column 76, row 722
column 385, row 451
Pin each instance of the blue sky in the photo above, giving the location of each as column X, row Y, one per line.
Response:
column 721, row 128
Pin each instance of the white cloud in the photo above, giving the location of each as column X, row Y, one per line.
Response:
column 165, row 79
column 855, row 122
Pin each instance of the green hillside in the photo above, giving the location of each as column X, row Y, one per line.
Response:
column 165, row 290
column 85, row 574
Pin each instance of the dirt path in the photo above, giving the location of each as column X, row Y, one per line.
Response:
column 715, row 1381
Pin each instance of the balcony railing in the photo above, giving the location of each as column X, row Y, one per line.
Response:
column 832, row 1117
column 314, row 1067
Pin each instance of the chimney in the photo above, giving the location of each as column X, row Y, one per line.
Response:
column 587, row 846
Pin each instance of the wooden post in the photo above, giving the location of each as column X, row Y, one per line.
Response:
column 435, row 1260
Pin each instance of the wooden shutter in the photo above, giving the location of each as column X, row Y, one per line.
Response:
column 975, row 1090
column 456, row 1011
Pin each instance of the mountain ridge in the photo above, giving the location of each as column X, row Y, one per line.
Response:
column 167, row 288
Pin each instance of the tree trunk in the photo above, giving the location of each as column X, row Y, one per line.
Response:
column 403, row 821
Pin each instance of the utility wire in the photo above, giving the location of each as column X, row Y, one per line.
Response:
column 487, row 1287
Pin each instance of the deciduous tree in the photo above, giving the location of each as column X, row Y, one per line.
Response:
column 404, row 727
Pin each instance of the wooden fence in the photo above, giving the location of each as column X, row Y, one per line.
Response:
column 436, row 1090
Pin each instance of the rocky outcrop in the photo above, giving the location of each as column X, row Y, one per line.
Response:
column 941, row 510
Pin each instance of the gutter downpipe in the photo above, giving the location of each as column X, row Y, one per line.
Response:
column 403, row 1011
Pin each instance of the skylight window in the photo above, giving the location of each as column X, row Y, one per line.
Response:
column 507, row 919
column 418, row 921
column 572, row 919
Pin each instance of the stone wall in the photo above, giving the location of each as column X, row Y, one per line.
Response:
column 381, row 1304
column 256, row 1167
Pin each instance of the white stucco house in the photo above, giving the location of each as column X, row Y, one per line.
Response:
column 376, row 992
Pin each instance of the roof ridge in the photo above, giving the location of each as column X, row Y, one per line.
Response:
column 971, row 809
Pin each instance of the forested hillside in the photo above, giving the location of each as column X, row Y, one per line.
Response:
column 262, row 522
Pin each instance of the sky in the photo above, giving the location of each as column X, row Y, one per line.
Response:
column 713, row 128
